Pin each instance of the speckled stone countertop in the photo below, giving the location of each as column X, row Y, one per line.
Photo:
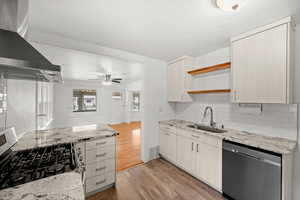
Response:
column 54, row 136
column 274, row 144
column 66, row 186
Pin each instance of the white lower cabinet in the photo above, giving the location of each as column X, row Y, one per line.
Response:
column 209, row 160
column 197, row 154
column 100, row 163
column 167, row 145
column 185, row 153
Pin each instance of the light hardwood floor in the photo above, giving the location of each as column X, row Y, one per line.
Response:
column 128, row 145
column 157, row 180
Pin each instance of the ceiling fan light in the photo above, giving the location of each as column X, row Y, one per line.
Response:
column 106, row 83
column 229, row 5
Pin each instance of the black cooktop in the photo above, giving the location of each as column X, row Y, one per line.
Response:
column 29, row 165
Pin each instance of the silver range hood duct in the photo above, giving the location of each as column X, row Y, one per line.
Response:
column 20, row 60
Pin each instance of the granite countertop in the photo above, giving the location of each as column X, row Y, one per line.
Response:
column 66, row 186
column 274, row 144
column 54, row 136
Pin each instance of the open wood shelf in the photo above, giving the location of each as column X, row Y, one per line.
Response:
column 208, row 91
column 210, row 68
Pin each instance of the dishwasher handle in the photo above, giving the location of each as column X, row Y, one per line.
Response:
column 247, row 155
column 243, row 154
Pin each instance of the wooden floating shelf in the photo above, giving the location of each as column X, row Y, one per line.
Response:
column 210, row 68
column 208, row 91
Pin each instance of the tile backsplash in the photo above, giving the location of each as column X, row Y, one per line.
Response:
column 278, row 120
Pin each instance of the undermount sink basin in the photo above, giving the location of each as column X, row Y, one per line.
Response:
column 206, row 128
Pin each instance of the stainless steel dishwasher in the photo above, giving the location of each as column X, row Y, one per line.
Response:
column 250, row 173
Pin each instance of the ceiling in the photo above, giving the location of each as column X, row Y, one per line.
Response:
column 163, row 29
column 79, row 65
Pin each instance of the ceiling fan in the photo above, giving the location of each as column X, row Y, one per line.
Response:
column 106, row 79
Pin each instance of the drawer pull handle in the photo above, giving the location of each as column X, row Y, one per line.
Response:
column 100, row 155
column 101, row 182
column 100, row 143
column 192, row 146
column 100, row 169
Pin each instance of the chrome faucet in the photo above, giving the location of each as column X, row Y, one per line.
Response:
column 212, row 123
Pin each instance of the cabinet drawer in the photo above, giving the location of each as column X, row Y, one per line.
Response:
column 167, row 128
column 184, row 133
column 100, row 143
column 214, row 141
column 94, row 155
column 210, row 140
column 99, row 182
column 201, row 137
column 101, row 167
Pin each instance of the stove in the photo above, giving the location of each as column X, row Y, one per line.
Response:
column 24, row 166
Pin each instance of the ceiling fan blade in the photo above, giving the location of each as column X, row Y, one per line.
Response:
column 94, row 79
column 120, row 74
column 97, row 73
column 115, row 81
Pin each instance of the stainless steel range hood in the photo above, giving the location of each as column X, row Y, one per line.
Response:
column 19, row 60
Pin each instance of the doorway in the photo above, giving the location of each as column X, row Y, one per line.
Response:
column 128, row 145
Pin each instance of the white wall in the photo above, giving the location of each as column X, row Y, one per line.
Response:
column 21, row 105
column 231, row 115
column 76, row 68
column 154, row 102
column 108, row 110
column 297, row 98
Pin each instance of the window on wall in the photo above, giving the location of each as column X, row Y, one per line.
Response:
column 116, row 95
column 136, row 101
column 84, row 100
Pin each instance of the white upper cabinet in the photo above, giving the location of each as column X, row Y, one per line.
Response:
column 178, row 81
column 262, row 65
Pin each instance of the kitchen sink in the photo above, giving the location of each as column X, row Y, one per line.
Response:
column 206, row 128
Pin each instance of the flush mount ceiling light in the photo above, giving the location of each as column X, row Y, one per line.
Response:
column 229, row 5
column 106, row 83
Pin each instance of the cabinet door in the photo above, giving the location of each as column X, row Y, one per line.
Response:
column 178, row 81
column 209, row 165
column 171, row 151
column 175, row 81
column 185, row 153
column 171, row 78
column 259, row 67
column 167, row 145
column 163, row 144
